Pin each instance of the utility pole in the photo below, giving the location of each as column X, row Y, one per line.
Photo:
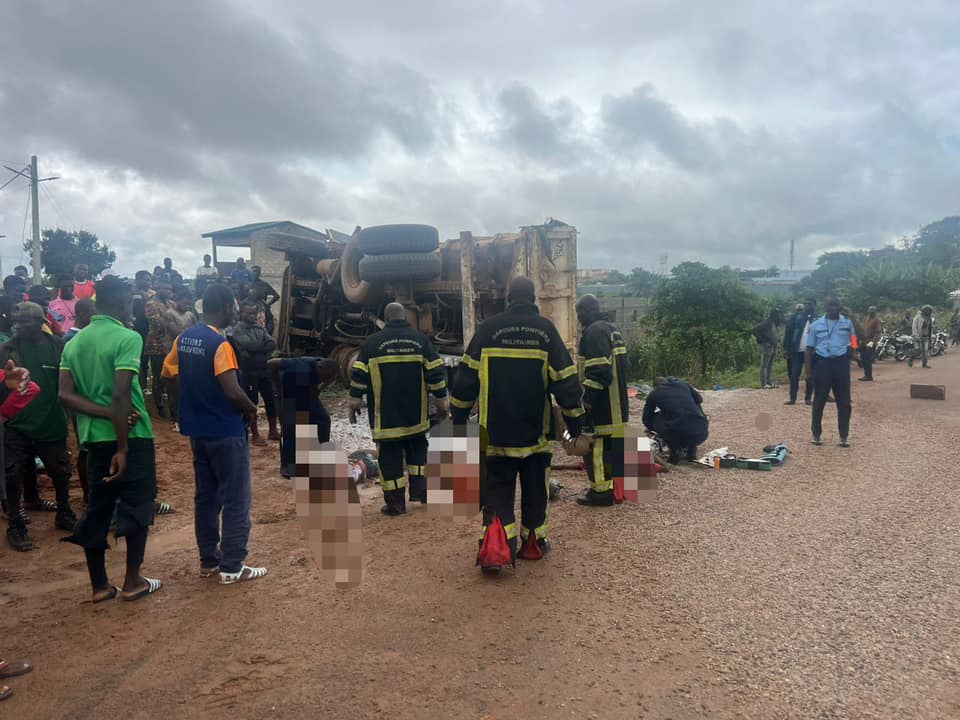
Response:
column 35, row 206
column 1, row 259
column 792, row 243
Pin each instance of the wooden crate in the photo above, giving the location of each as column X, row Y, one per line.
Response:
column 928, row 392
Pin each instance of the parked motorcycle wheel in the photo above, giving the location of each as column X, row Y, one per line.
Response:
column 937, row 349
column 901, row 355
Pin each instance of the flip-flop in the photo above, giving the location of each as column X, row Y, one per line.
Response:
column 42, row 506
column 246, row 573
column 114, row 591
column 152, row 587
column 5, row 692
column 9, row 669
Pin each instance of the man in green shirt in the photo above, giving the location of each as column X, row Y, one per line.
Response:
column 7, row 306
column 98, row 383
column 41, row 429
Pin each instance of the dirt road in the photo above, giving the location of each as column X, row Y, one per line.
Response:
column 827, row 588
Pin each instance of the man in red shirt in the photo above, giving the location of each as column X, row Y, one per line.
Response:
column 871, row 333
column 83, row 286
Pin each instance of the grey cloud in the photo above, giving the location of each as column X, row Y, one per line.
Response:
column 147, row 84
column 640, row 120
column 541, row 130
column 719, row 133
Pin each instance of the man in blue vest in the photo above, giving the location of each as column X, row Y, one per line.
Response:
column 214, row 414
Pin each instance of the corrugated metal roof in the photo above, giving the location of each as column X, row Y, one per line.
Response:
column 253, row 227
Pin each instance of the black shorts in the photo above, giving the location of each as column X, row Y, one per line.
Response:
column 132, row 495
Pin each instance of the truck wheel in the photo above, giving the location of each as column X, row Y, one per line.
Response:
column 356, row 290
column 391, row 239
column 405, row 266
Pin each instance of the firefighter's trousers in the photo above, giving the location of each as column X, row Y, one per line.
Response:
column 600, row 464
column 390, row 456
column 499, row 489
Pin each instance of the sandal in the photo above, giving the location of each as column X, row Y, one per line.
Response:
column 5, row 692
column 9, row 669
column 113, row 592
column 246, row 573
column 41, row 506
column 162, row 508
column 151, row 587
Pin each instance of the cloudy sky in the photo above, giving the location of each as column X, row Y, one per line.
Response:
column 703, row 130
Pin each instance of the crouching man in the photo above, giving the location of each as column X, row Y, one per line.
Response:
column 674, row 411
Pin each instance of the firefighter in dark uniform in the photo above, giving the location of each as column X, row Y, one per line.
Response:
column 603, row 359
column 514, row 363
column 396, row 368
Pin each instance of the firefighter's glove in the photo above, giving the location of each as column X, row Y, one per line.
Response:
column 579, row 446
column 443, row 407
column 354, row 405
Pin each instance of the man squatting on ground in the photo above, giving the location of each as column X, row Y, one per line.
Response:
column 395, row 369
column 674, row 412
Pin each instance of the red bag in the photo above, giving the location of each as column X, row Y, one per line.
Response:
column 531, row 548
column 495, row 548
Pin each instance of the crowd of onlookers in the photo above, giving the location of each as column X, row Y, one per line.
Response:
column 35, row 325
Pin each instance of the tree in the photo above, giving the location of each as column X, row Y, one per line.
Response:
column 61, row 250
column 614, row 277
column 704, row 315
column 642, row 282
column 832, row 269
column 939, row 242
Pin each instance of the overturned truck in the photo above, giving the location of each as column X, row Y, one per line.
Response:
column 334, row 290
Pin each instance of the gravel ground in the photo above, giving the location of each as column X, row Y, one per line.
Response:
column 826, row 588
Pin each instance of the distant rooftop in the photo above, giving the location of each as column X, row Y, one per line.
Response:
column 254, row 227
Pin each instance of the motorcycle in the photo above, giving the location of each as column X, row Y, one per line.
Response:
column 938, row 343
column 884, row 347
column 902, row 347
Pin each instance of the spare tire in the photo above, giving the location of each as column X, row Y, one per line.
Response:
column 405, row 266
column 391, row 239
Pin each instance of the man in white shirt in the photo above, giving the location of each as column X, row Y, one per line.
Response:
column 206, row 274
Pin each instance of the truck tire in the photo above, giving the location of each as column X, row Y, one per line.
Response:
column 405, row 266
column 355, row 289
column 392, row 239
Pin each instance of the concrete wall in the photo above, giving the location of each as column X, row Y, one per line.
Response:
column 627, row 313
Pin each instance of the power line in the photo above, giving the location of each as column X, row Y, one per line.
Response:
column 57, row 209
column 15, row 176
column 23, row 232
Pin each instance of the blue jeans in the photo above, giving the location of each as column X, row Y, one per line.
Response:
column 221, row 468
column 796, row 370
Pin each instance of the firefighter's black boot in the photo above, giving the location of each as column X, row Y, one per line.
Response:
column 395, row 502
column 596, row 499
column 418, row 489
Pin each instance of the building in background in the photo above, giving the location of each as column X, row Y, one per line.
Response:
column 262, row 240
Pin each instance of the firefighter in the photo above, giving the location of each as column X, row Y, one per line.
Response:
column 603, row 358
column 396, row 368
column 514, row 362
